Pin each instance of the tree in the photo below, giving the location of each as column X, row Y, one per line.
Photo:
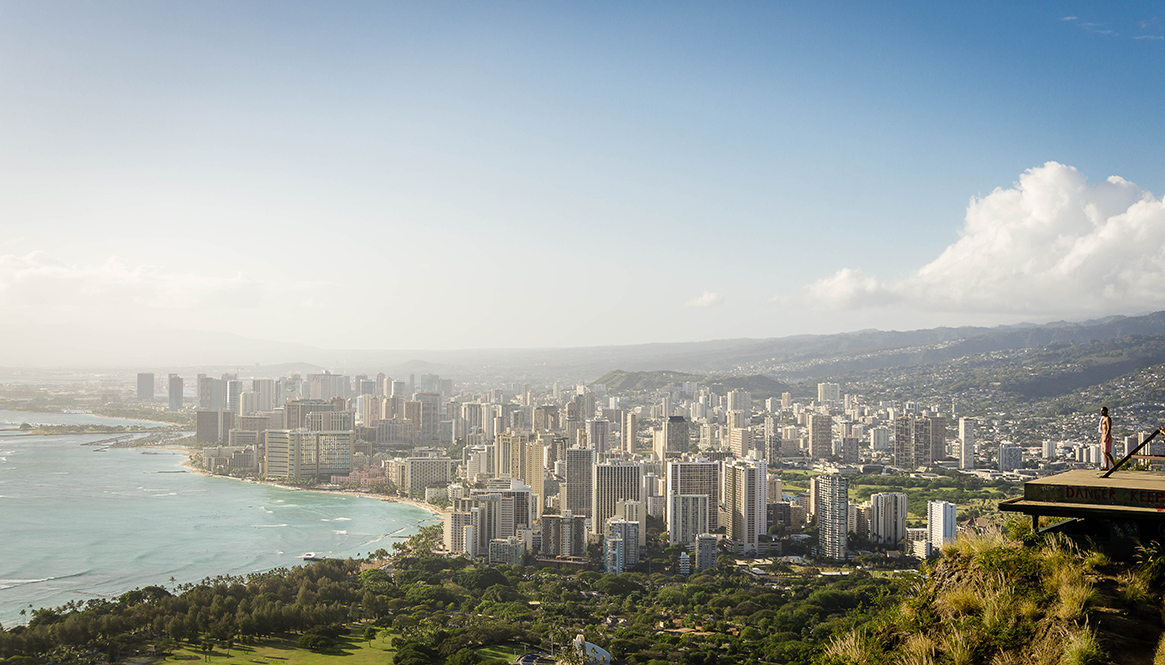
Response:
column 370, row 634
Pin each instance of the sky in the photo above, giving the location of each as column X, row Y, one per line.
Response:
column 446, row 175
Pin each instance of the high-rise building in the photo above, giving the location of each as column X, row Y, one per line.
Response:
column 940, row 523
column 534, row 473
column 234, row 390
column 833, row 516
column 145, row 386
column 327, row 385
column 329, row 421
column 919, row 441
column 599, row 435
column 564, row 535
column 614, row 555
column 510, row 551
column 706, row 551
column 614, row 482
column 696, row 477
column 740, row 442
column 422, row 472
column 966, row 443
column 820, row 436
column 266, row 397
column 630, row 431
column 628, row 532
column 213, row 426
column 578, row 485
column 676, row 436
column 687, row 518
column 212, row 394
column 175, row 392
column 828, row 393
column 1010, row 457
column 740, row 400
column 298, row 454
column 745, row 503
column 888, row 518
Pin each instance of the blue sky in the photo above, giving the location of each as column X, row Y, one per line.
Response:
column 487, row 174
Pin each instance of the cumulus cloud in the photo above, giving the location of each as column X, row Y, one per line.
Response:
column 1052, row 244
column 706, row 299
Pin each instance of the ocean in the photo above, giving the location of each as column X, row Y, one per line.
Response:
column 85, row 521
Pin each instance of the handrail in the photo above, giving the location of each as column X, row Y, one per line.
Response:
column 1160, row 430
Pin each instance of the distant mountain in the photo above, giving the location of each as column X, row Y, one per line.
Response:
column 801, row 357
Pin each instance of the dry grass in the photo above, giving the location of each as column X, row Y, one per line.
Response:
column 1074, row 600
column 848, row 648
column 1134, row 589
column 1159, row 656
column 1081, row 648
column 958, row 647
column 919, row 649
column 973, row 546
column 959, row 601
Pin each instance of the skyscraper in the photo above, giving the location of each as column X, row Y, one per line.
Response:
column 820, row 436
column 919, row 441
column 676, row 436
column 888, row 518
column 966, row 443
column 687, row 518
column 745, row 503
column 828, row 393
column 630, row 433
column 940, row 523
column 579, row 482
column 175, row 392
column 599, row 435
column 629, row 533
column 145, row 386
column 695, row 477
column 833, row 516
column 614, row 482
column 1010, row 457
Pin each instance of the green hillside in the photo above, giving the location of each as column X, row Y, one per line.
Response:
column 759, row 385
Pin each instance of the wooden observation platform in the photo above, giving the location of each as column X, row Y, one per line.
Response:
column 1122, row 507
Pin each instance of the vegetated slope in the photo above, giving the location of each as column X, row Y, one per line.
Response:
column 991, row 600
column 622, row 381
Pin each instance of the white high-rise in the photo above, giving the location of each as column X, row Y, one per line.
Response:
column 833, row 516
column 614, row 483
column 966, row 443
column 696, row 477
column 888, row 518
column 687, row 518
column 746, row 503
column 940, row 523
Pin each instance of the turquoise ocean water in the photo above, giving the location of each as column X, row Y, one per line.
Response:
column 82, row 521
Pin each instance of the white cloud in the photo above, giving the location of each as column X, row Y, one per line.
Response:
column 1052, row 244
column 1068, row 18
column 37, row 282
column 706, row 299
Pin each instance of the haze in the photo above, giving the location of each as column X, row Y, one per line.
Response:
column 446, row 175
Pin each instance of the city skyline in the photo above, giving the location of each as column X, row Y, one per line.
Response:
column 456, row 177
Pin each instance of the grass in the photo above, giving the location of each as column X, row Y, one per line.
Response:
column 284, row 652
column 504, row 651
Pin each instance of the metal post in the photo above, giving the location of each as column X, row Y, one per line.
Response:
column 1135, row 451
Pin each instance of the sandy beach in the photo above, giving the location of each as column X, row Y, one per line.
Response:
column 434, row 510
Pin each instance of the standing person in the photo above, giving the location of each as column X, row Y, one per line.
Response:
column 1106, row 438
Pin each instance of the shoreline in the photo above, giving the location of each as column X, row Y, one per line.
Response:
column 436, row 512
